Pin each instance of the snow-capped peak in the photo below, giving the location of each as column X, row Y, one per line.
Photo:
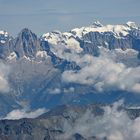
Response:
column 53, row 37
column 3, row 33
column 65, row 40
column 3, row 36
column 56, row 32
column 70, row 39
column 132, row 24
column 117, row 30
column 97, row 24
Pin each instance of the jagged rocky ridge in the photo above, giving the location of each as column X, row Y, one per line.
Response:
column 81, row 40
column 36, row 64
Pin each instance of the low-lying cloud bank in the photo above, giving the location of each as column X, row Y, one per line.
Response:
column 24, row 113
column 104, row 73
column 113, row 125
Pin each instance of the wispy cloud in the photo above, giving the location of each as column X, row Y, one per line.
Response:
column 50, row 13
column 24, row 113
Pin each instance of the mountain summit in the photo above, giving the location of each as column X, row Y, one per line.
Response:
column 97, row 24
column 27, row 43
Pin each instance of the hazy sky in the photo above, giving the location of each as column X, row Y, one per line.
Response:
column 46, row 15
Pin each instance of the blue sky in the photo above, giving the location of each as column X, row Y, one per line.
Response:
column 46, row 15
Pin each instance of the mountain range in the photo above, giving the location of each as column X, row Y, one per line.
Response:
column 70, row 68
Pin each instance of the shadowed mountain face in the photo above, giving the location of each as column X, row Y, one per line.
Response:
column 81, row 66
column 66, row 123
column 27, row 44
column 48, row 126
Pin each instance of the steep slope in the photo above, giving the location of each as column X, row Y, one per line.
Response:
column 27, row 44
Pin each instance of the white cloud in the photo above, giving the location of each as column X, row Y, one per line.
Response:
column 55, row 91
column 69, row 50
column 59, row 91
column 104, row 72
column 4, row 72
column 114, row 125
column 24, row 113
column 69, row 90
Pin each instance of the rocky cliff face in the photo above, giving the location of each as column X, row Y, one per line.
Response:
column 27, row 43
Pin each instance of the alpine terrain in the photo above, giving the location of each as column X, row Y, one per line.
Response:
column 58, row 83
